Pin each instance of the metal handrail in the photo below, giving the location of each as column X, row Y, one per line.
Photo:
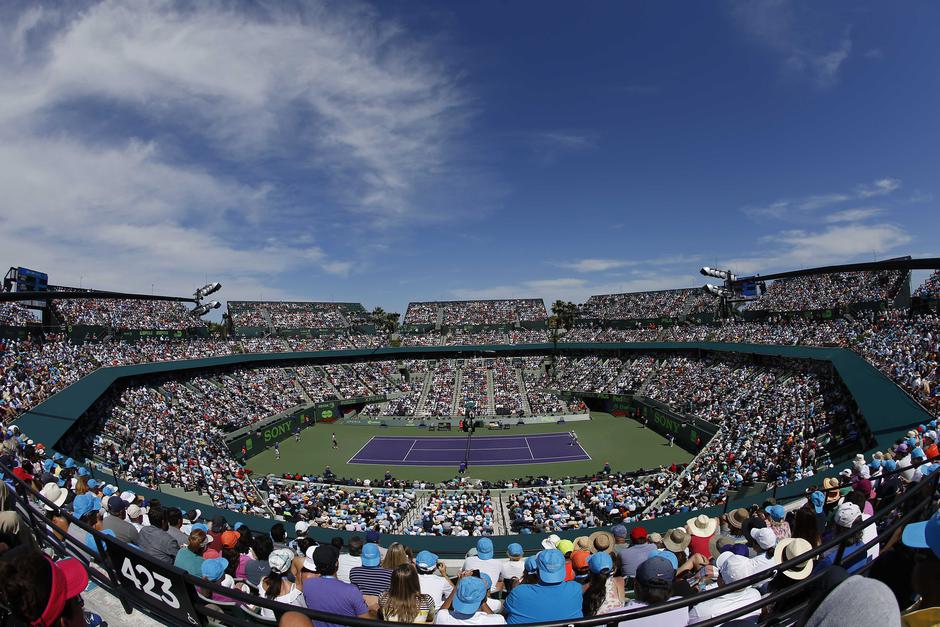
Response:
column 129, row 598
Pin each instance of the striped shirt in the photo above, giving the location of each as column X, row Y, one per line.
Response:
column 374, row 580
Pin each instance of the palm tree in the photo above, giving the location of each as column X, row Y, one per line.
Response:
column 385, row 320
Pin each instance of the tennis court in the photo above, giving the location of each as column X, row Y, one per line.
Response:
column 485, row 450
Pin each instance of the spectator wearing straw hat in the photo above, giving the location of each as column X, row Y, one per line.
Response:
column 701, row 528
column 786, row 550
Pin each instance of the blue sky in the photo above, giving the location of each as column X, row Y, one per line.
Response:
column 390, row 152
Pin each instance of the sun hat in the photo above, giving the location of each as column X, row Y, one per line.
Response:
column 737, row 517
column 817, row 498
column 677, row 539
column 733, row 567
column 579, row 559
column 532, row 564
column 229, row 539
column 128, row 496
column 923, row 535
column 213, row 569
column 846, row 514
column 280, row 560
column 426, row 560
column 776, row 512
column 133, row 511
column 200, row 526
column 791, row 548
column 68, row 580
column 514, row 550
column 52, row 492
column 765, row 538
column 487, row 580
column 719, row 541
column 84, row 503
column 600, row 562
column 702, row 526
column 666, row 555
column 371, row 556
column 582, row 543
column 469, row 595
column 602, row 540
column 84, row 472
column 551, row 564
column 550, row 542
column 655, row 537
column 638, row 533
column 656, row 572
column 565, row 546
column 485, row 548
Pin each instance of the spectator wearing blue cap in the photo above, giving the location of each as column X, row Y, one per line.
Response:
column 484, row 562
column 924, row 538
column 371, row 579
column 552, row 598
column 604, row 591
column 466, row 605
column 432, row 577
column 514, row 569
column 214, row 570
column 778, row 522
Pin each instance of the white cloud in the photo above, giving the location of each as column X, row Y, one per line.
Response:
column 131, row 134
column 579, row 290
column 775, row 25
column 788, row 250
column 880, row 187
column 854, row 215
column 596, row 265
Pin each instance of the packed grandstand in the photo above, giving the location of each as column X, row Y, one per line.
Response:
column 777, row 421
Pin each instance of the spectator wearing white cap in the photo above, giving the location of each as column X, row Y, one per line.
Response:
column 276, row 586
column 731, row 568
column 845, row 517
column 765, row 540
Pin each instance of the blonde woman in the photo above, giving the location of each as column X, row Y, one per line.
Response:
column 397, row 555
column 404, row 602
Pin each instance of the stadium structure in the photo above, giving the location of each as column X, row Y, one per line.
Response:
column 501, row 419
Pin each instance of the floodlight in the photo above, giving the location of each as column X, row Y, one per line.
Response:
column 202, row 310
column 208, row 288
column 712, row 289
column 724, row 275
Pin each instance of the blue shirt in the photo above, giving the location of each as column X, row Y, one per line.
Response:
column 634, row 555
column 852, row 560
column 329, row 594
column 534, row 603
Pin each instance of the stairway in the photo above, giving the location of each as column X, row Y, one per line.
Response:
column 440, row 319
column 458, row 383
column 300, row 389
column 423, row 398
column 523, row 392
column 268, row 319
column 490, row 400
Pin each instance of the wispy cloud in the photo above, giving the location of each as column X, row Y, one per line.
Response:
column 880, row 187
column 138, row 132
column 854, row 215
column 604, row 265
column 775, row 25
column 792, row 249
column 549, row 146
column 808, row 206
column 579, row 289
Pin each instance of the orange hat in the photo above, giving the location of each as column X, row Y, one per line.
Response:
column 230, row 539
column 579, row 560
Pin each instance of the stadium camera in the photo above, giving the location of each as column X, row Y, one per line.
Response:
column 712, row 289
column 718, row 274
column 202, row 310
column 208, row 288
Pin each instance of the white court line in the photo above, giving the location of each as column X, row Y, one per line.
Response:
column 349, row 461
column 492, row 448
column 405, row 458
column 530, row 449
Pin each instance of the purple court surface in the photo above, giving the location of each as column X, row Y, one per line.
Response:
column 486, row 450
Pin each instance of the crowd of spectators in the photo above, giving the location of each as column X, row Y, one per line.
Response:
column 439, row 399
column 340, row 507
column 296, row 315
column 623, row 498
column 451, row 313
column 461, row 513
column 823, row 291
column 647, row 305
column 930, row 287
column 120, row 313
column 548, row 509
column 15, row 315
column 596, row 574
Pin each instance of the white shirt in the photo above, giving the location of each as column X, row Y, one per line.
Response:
column 436, row 587
column 724, row 604
column 761, row 562
column 346, row 563
column 491, row 567
column 678, row 617
column 512, row 569
column 868, row 534
column 480, row 618
column 294, row 597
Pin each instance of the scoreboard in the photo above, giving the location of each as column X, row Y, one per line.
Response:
column 31, row 281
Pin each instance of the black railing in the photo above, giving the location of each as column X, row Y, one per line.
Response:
column 171, row 594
